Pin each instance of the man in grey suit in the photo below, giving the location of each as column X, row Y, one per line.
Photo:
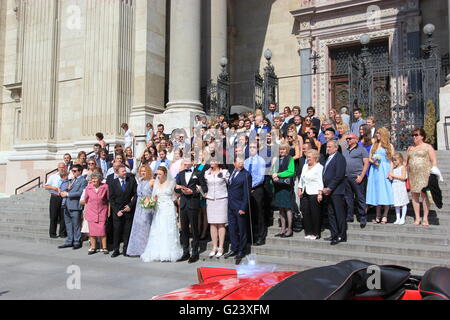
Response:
column 272, row 114
column 73, row 208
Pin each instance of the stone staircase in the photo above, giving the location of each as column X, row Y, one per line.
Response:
column 25, row 217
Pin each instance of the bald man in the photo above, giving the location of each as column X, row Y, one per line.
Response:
column 56, row 212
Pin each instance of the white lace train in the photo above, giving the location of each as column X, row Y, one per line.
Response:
column 164, row 239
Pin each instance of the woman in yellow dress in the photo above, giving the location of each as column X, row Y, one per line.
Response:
column 421, row 157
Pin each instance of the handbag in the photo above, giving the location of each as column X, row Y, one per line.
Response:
column 283, row 181
column 408, row 186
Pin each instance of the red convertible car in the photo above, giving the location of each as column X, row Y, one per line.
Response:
column 351, row 279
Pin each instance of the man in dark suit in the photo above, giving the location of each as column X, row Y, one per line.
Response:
column 329, row 136
column 315, row 122
column 110, row 222
column 334, row 190
column 187, row 184
column 238, row 202
column 123, row 198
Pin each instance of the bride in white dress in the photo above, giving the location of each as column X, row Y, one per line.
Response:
column 164, row 239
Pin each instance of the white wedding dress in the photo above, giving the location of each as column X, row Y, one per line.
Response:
column 164, row 239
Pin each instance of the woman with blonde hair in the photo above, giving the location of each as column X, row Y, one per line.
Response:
column 142, row 220
column 379, row 187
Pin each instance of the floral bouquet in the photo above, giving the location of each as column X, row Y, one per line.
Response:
column 148, row 203
column 376, row 158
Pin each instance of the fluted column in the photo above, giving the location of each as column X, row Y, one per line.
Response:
column 184, row 85
column 218, row 35
column 108, row 66
column 39, row 70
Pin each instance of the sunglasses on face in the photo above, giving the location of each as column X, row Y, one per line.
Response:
column 348, row 139
column 91, row 164
column 74, row 170
column 415, row 135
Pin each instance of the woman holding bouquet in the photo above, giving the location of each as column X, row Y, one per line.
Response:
column 143, row 214
column 164, row 239
column 379, row 187
column 217, row 205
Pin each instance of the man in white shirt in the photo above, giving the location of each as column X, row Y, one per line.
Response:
column 56, row 212
column 103, row 163
column 371, row 122
column 272, row 114
column 129, row 136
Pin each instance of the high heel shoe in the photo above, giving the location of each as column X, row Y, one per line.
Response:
column 284, row 235
column 384, row 220
column 425, row 223
column 213, row 252
column 377, row 220
column 417, row 222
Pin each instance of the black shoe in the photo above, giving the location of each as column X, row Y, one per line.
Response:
column 278, row 235
column 260, row 242
column 285, row 236
column 229, row 254
column 65, row 246
column 185, row 257
column 193, row 259
column 115, row 254
column 75, row 247
column 342, row 240
column 328, row 239
column 54, row 236
column 334, row 242
column 362, row 225
column 92, row 251
column 62, row 236
column 350, row 220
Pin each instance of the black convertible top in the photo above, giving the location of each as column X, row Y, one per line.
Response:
column 344, row 280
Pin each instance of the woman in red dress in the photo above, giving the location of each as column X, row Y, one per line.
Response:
column 96, row 211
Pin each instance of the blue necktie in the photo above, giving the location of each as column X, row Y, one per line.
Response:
column 123, row 186
column 250, row 167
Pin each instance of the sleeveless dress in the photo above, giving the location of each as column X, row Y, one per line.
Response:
column 164, row 239
column 141, row 222
column 419, row 166
column 379, row 187
column 399, row 188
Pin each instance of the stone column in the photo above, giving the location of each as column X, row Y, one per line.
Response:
column 444, row 108
column 305, row 68
column 184, row 82
column 218, row 35
column 39, row 88
column 149, row 66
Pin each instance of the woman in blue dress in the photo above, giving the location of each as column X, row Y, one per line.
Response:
column 142, row 217
column 379, row 187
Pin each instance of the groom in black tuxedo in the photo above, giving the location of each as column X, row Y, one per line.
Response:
column 187, row 182
column 123, row 198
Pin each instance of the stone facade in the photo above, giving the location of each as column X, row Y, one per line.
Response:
column 71, row 68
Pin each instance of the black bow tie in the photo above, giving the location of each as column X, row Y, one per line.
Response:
column 188, row 170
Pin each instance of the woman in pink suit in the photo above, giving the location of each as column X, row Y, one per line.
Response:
column 96, row 211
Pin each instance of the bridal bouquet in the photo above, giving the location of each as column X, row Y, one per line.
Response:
column 148, row 202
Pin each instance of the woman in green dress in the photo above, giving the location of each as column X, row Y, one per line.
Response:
column 284, row 171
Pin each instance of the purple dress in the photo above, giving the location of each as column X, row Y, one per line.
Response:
column 141, row 222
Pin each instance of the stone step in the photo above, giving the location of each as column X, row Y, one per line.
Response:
column 358, row 245
column 13, row 228
column 288, row 264
column 30, row 237
column 292, row 255
column 335, row 255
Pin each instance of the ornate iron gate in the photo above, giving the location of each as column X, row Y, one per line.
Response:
column 396, row 94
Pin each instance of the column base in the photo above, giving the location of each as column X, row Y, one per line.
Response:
column 177, row 118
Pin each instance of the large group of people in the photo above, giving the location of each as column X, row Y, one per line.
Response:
column 226, row 178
